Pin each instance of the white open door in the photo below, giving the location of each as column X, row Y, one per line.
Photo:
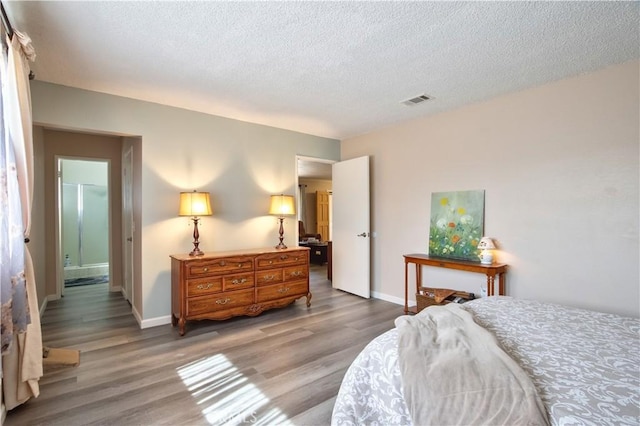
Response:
column 351, row 249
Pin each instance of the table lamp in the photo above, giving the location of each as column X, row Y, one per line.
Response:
column 486, row 245
column 195, row 204
column 282, row 205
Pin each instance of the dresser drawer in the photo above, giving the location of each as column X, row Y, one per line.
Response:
column 282, row 259
column 202, row 286
column 237, row 281
column 219, row 302
column 222, row 265
column 280, row 291
column 269, row 276
column 294, row 273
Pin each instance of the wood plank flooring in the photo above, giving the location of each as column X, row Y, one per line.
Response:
column 282, row 367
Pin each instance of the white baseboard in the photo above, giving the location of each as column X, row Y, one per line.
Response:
column 392, row 299
column 154, row 322
column 45, row 302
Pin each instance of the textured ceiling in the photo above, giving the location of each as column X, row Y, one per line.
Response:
column 334, row 69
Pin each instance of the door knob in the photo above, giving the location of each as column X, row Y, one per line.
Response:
column 364, row 234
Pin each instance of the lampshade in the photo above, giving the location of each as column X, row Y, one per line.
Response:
column 486, row 243
column 282, row 205
column 195, row 204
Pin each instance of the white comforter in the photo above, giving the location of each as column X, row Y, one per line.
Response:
column 454, row 372
column 585, row 365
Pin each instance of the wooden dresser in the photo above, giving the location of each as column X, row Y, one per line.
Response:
column 221, row 285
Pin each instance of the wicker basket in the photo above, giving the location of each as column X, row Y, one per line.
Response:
column 439, row 296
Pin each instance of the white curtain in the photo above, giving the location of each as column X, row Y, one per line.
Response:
column 21, row 342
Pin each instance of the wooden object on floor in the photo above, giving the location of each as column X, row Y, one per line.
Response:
column 439, row 296
column 227, row 284
column 419, row 259
column 54, row 357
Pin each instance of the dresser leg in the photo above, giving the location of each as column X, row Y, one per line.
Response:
column 174, row 320
column 309, row 295
column 181, row 324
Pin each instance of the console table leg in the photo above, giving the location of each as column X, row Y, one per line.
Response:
column 406, row 288
column 309, row 295
column 490, row 285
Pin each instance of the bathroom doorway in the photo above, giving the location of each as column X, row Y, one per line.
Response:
column 84, row 221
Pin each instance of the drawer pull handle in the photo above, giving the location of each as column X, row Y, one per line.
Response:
column 204, row 286
column 205, row 269
column 268, row 277
column 237, row 281
column 283, row 290
column 295, row 273
column 223, row 263
column 239, row 265
column 223, row 301
column 271, row 262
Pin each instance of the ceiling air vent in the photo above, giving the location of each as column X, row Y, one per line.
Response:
column 415, row 101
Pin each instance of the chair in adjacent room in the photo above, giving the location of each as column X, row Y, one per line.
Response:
column 303, row 235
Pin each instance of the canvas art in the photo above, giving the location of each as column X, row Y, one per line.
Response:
column 457, row 224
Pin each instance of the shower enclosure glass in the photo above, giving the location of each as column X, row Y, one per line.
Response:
column 85, row 220
column 86, row 227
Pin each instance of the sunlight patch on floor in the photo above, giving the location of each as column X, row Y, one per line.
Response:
column 226, row 395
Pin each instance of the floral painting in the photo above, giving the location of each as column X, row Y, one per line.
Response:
column 457, row 224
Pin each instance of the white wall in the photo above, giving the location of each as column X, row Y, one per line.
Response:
column 241, row 164
column 560, row 167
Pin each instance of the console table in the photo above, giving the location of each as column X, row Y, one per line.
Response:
column 419, row 259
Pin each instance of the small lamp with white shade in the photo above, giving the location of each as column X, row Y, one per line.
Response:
column 486, row 244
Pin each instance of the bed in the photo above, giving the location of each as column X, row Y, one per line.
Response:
column 584, row 365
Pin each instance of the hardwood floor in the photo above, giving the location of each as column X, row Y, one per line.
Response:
column 282, row 367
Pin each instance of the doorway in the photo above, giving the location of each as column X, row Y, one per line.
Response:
column 84, row 221
column 314, row 196
column 314, row 209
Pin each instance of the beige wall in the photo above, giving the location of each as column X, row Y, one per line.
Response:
column 560, row 167
column 240, row 164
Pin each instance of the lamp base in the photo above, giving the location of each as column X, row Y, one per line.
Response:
column 196, row 252
column 486, row 258
column 281, row 245
column 196, row 235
